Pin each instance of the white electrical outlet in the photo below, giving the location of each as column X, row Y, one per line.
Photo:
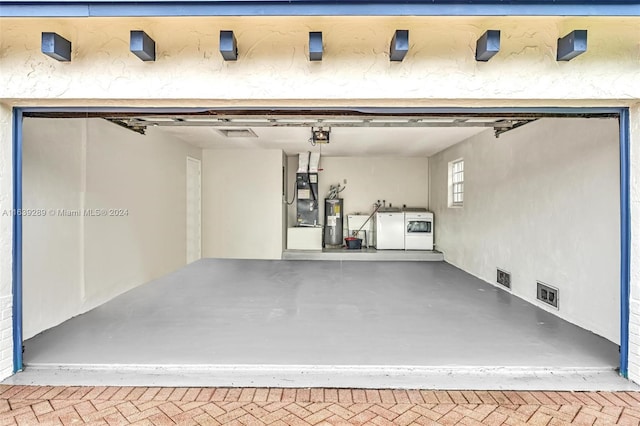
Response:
column 548, row 294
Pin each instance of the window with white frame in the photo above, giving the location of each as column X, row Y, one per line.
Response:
column 456, row 183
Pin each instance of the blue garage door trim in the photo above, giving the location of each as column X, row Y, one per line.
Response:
column 17, row 240
column 625, row 240
column 625, row 211
column 86, row 8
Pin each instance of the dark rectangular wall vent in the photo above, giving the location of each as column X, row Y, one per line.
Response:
column 548, row 294
column 504, row 278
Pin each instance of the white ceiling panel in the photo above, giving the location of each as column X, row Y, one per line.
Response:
column 344, row 141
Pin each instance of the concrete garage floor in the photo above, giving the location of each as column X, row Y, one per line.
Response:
column 332, row 323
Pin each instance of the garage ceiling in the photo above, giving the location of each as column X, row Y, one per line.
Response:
column 344, row 141
column 353, row 132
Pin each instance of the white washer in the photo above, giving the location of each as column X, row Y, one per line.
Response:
column 418, row 231
column 390, row 231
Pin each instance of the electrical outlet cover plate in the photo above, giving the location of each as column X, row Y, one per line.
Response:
column 547, row 294
column 503, row 278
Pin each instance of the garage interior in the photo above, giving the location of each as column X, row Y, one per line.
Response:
column 147, row 285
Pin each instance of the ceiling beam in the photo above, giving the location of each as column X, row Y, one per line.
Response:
column 399, row 45
column 56, row 47
column 572, row 45
column 228, row 46
column 488, row 45
column 143, row 46
column 315, row 46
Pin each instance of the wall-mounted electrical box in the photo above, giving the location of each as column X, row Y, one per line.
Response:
column 548, row 294
column 503, row 278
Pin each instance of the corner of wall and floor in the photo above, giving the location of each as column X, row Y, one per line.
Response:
column 548, row 211
column 79, row 164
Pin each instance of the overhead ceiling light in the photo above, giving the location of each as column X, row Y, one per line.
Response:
column 237, row 133
column 432, row 120
column 155, row 119
column 250, row 120
column 341, row 121
column 389, row 120
column 319, row 135
column 296, row 120
column 483, row 119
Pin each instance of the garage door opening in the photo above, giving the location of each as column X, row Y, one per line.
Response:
column 538, row 206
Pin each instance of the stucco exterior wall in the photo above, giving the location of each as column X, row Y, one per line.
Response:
column 6, row 238
column 273, row 70
column 273, row 61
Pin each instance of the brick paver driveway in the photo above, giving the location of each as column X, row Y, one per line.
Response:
column 246, row 406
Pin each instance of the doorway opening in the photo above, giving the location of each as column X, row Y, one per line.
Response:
column 512, row 160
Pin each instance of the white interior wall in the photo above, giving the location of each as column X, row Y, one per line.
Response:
column 242, row 204
column 146, row 175
column 52, row 245
column 73, row 263
column 541, row 202
column 397, row 180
